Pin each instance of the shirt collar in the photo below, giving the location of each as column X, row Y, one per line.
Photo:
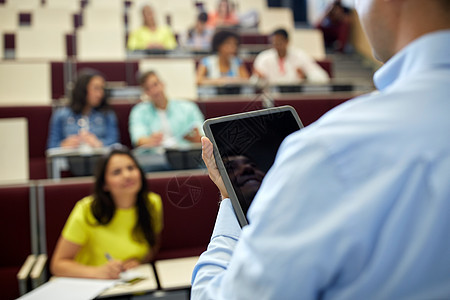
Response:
column 428, row 51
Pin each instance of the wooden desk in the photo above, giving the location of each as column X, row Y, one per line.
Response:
column 175, row 273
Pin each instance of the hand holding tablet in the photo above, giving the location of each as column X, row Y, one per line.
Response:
column 210, row 162
column 242, row 149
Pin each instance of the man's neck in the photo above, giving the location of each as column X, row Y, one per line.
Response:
column 418, row 22
column 162, row 104
column 282, row 54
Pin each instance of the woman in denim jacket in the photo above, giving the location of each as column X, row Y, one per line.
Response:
column 88, row 120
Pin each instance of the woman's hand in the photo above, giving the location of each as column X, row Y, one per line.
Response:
column 72, row 141
column 210, row 162
column 131, row 263
column 90, row 139
column 110, row 270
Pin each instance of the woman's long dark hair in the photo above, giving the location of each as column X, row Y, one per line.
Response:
column 79, row 92
column 103, row 207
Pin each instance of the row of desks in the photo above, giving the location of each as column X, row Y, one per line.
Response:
column 168, row 277
column 309, row 107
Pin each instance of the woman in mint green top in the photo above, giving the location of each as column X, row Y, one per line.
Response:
column 116, row 228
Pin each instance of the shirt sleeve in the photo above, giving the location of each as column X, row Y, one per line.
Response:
column 112, row 131
column 205, row 61
column 210, row 268
column 55, row 133
column 137, row 126
column 169, row 40
column 133, row 40
column 196, row 117
column 76, row 228
column 259, row 64
column 289, row 249
column 313, row 72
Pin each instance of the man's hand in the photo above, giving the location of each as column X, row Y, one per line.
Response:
column 193, row 136
column 210, row 162
column 153, row 140
column 300, row 74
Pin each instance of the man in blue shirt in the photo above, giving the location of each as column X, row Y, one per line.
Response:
column 356, row 205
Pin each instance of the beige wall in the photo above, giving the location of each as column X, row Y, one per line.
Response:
column 25, row 83
column 14, row 150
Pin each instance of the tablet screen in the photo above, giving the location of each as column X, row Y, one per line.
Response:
column 248, row 145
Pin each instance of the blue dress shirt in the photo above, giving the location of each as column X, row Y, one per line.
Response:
column 64, row 122
column 356, row 205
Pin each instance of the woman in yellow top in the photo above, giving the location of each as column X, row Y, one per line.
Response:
column 113, row 230
column 150, row 35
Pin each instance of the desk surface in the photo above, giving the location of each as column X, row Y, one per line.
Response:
column 175, row 273
column 146, row 285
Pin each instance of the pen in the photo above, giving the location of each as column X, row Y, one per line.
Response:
column 108, row 256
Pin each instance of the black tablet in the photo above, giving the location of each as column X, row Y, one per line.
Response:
column 245, row 146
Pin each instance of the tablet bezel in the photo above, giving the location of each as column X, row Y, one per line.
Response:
column 242, row 219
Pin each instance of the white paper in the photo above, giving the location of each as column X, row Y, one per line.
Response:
column 69, row 289
column 132, row 274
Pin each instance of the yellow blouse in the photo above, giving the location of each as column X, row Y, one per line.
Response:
column 141, row 38
column 115, row 238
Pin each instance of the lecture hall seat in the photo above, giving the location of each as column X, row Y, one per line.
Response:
column 311, row 108
column 16, row 235
column 190, row 203
column 38, row 119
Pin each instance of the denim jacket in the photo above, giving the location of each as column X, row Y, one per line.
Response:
column 65, row 122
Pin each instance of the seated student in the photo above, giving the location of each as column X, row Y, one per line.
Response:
column 116, row 228
column 336, row 26
column 150, row 35
column 224, row 16
column 199, row 37
column 88, row 120
column 281, row 64
column 224, row 66
column 162, row 121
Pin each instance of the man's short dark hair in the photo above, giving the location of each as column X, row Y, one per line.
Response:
column 220, row 37
column 281, row 32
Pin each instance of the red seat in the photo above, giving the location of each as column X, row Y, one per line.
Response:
column 311, row 109
column 38, row 121
column 122, row 111
column 56, row 201
column 214, row 108
column 15, row 236
column 190, row 204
